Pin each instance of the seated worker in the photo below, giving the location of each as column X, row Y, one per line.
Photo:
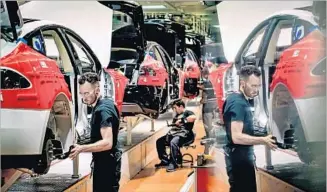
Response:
column 184, row 120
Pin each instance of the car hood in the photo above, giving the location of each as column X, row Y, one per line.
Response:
column 91, row 20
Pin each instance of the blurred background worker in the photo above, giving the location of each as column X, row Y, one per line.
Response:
column 175, row 138
column 106, row 162
column 238, row 119
column 209, row 103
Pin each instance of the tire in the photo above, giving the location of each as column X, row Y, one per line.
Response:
column 44, row 162
column 308, row 152
column 301, row 145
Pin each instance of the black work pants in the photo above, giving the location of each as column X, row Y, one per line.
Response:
column 107, row 172
column 175, row 142
column 241, row 172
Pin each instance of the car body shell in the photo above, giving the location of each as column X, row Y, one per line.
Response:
column 294, row 75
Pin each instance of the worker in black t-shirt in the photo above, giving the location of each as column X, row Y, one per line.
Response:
column 238, row 120
column 106, row 163
column 184, row 120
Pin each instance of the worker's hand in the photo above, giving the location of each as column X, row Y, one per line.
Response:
column 75, row 151
column 270, row 142
column 178, row 122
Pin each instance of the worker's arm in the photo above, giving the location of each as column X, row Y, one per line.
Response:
column 237, row 112
column 241, row 138
column 191, row 118
column 102, row 145
column 105, row 119
column 201, row 87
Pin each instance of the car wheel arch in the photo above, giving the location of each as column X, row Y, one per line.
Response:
column 62, row 109
column 280, row 112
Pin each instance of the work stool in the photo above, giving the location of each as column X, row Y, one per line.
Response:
column 185, row 155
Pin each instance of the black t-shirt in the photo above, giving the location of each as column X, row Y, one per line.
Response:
column 189, row 125
column 104, row 114
column 209, row 100
column 237, row 108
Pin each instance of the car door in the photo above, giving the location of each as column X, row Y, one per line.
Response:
column 252, row 53
column 84, row 61
column 162, row 67
column 172, row 73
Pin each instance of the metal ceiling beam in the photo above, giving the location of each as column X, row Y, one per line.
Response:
column 174, row 7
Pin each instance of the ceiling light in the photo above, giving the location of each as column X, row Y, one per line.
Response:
column 154, row 7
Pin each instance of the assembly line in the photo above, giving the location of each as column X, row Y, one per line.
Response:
column 124, row 96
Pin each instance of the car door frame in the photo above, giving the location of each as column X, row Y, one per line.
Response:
column 97, row 63
column 267, row 23
column 98, row 67
column 261, row 64
column 266, row 40
column 260, row 55
column 55, row 28
column 196, row 59
column 59, row 30
column 170, row 64
column 271, row 24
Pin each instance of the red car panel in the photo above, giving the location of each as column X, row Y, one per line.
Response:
column 216, row 77
column 293, row 69
column 192, row 69
column 44, row 75
column 154, row 73
column 120, row 82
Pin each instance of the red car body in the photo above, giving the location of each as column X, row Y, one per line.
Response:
column 155, row 73
column 146, row 64
column 217, row 76
column 293, row 81
column 39, row 72
column 120, row 83
column 190, row 76
column 40, row 88
column 171, row 36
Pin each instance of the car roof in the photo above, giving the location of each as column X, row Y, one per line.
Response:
column 34, row 24
column 301, row 14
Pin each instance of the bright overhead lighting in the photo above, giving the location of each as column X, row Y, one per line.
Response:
column 154, row 7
